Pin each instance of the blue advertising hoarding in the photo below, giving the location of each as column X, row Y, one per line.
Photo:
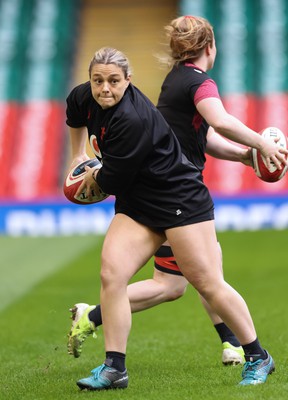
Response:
column 65, row 218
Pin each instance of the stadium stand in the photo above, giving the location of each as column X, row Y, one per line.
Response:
column 45, row 50
column 35, row 58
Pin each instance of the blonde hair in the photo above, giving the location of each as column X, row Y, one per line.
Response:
column 108, row 55
column 188, row 36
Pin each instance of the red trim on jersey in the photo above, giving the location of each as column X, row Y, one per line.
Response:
column 193, row 66
column 206, row 90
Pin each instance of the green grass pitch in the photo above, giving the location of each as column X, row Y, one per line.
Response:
column 173, row 353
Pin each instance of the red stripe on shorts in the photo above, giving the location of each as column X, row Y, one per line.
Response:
column 167, row 262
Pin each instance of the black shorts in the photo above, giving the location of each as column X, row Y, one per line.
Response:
column 151, row 221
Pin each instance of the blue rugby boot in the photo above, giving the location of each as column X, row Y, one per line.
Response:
column 257, row 372
column 103, row 378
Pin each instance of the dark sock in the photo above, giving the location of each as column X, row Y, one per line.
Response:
column 253, row 351
column 115, row 360
column 226, row 335
column 95, row 316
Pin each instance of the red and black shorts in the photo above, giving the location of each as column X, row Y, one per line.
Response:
column 164, row 261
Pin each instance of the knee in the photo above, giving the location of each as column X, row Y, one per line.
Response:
column 106, row 276
column 173, row 292
column 110, row 275
column 208, row 288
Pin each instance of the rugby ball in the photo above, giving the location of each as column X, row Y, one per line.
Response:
column 74, row 180
column 271, row 174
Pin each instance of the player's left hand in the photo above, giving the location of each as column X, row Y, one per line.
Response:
column 89, row 183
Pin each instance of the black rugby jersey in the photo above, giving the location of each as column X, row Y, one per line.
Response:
column 143, row 165
column 176, row 103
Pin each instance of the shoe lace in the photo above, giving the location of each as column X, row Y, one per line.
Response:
column 97, row 371
column 250, row 368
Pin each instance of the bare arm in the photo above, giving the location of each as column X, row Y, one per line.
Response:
column 221, row 148
column 225, row 124
column 78, row 140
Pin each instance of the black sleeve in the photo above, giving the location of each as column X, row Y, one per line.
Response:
column 126, row 146
column 76, row 112
column 192, row 82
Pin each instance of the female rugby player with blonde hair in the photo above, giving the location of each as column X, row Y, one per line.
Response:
column 140, row 223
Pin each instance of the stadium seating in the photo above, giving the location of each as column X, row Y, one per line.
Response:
column 36, row 54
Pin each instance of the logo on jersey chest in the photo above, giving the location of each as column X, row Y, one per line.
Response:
column 102, row 133
column 95, row 147
column 94, row 144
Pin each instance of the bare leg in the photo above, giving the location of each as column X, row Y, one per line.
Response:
column 212, row 314
column 196, row 250
column 151, row 292
column 163, row 287
column 135, row 243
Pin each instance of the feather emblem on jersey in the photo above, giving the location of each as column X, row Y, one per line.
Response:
column 95, row 147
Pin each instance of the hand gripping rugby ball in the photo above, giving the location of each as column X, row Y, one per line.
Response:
column 271, row 174
column 74, row 180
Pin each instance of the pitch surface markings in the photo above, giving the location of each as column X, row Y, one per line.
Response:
column 26, row 261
